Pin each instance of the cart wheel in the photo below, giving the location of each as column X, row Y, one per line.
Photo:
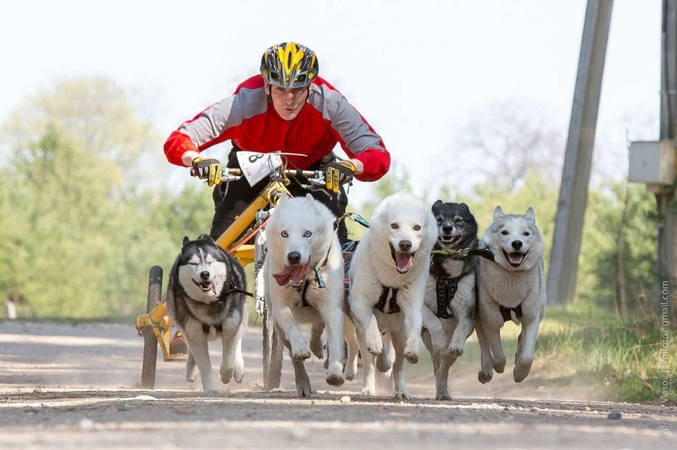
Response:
column 272, row 353
column 149, row 339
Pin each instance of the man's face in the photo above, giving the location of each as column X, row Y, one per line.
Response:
column 288, row 102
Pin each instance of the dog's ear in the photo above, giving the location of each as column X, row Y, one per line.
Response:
column 436, row 205
column 283, row 198
column 530, row 214
column 185, row 242
column 208, row 238
column 310, row 198
column 498, row 213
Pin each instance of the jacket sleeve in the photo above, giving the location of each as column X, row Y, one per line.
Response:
column 358, row 139
column 215, row 124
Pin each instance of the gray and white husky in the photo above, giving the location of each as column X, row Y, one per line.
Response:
column 512, row 287
column 304, row 284
column 450, row 300
column 205, row 299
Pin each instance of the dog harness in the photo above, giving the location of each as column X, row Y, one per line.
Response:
column 393, row 307
column 233, row 290
column 446, row 290
column 505, row 312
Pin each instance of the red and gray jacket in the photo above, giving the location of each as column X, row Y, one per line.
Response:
column 252, row 123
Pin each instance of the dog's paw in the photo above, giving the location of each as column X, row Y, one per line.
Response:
column 499, row 366
column 191, row 375
column 402, row 395
column 316, row 346
column 301, row 354
column 369, row 390
column 226, row 374
column 383, row 363
column 375, row 346
column 484, row 377
column 335, row 380
column 521, row 371
column 412, row 357
column 443, row 396
column 303, row 389
column 238, row 373
column 455, row 350
column 350, row 371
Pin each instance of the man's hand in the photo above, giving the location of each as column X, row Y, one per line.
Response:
column 207, row 169
column 338, row 173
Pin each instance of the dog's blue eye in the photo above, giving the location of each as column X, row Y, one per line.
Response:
column 417, row 227
column 439, row 221
column 394, row 226
column 307, row 234
column 459, row 220
column 284, row 234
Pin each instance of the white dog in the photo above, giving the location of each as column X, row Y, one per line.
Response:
column 512, row 287
column 304, row 283
column 387, row 280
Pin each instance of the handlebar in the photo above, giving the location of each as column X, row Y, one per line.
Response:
column 315, row 177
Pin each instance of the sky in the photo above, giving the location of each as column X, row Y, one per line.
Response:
column 414, row 69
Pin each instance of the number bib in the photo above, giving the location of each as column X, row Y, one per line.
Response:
column 257, row 166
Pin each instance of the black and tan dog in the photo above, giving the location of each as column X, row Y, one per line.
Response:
column 450, row 302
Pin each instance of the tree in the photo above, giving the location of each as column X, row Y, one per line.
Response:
column 505, row 141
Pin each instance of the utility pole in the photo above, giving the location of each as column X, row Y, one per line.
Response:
column 665, row 198
column 573, row 195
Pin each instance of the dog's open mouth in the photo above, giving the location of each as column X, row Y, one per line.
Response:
column 294, row 274
column 449, row 240
column 515, row 259
column 403, row 261
column 206, row 286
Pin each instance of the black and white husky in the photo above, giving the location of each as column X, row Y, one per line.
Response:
column 450, row 301
column 206, row 300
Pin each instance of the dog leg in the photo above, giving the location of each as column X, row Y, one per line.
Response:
column 412, row 324
column 231, row 342
column 200, row 351
column 523, row 365
column 493, row 336
column 461, row 333
column 333, row 319
column 401, row 392
column 384, row 360
column 191, row 368
column 434, row 326
column 442, row 378
column 428, row 343
column 369, row 378
column 351, row 341
column 302, row 381
column 366, row 320
column 284, row 318
column 316, row 340
column 486, row 372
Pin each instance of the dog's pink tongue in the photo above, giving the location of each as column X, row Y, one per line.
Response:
column 515, row 258
column 295, row 274
column 212, row 287
column 404, row 261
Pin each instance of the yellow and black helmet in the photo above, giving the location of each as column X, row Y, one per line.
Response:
column 289, row 65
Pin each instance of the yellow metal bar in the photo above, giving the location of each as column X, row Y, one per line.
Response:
column 249, row 214
column 245, row 254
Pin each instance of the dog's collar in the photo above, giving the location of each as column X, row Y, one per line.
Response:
column 319, row 267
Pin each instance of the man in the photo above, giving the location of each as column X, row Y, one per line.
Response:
column 287, row 108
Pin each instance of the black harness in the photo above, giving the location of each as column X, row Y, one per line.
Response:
column 505, row 312
column 233, row 290
column 393, row 307
column 446, row 290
